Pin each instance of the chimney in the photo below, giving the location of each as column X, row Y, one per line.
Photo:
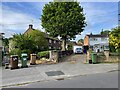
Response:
column 30, row 26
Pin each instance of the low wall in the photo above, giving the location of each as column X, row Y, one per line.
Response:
column 110, row 59
column 57, row 55
column 102, row 57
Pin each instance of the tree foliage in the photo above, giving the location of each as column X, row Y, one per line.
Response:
column 80, row 41
column 39, row 39
column 6, row 42
column 64, row 19
column 105, row 32
column 115, row 37
column 29, row 43
column 23, row 42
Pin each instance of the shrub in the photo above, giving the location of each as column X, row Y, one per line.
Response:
column 118, row 50
column 15, row 52
column 43, row 54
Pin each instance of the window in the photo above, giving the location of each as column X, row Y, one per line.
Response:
column 49, row 47
column 50, row 41
column 103, row 39
column 54, row 41
column 93, row 39
column 106, row 47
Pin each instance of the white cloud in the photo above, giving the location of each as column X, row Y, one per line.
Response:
column 98, row 18
column 16, row 22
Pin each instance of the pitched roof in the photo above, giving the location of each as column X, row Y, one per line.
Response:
column 98, row 35
column 46, row 35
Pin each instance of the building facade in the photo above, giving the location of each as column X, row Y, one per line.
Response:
column 53, row 43
column 98, row 43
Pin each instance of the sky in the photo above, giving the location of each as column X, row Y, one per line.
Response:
column 16, row 16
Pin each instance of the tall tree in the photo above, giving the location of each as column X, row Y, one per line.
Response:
column 64, row 19
column 115, row 38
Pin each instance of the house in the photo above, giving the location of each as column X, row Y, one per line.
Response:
column 97, row 42
column 53, row 43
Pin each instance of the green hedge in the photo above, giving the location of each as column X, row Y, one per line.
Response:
column 43, row 54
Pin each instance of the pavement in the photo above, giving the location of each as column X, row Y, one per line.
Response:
column 102, row 80
column 74, row 66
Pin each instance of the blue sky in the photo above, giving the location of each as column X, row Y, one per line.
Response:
column 16, row 16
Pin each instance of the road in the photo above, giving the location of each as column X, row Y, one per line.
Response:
column 103, row 80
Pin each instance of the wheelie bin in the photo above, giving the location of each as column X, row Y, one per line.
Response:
column 24, row 60
column 32, row 59
column 94, row 58
column 14, row 62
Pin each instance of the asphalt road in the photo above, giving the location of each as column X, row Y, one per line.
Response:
column 103, row 80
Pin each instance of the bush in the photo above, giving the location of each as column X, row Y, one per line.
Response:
column 43, row 54
column 118, row 50
column 15, row 52
column 112, row 48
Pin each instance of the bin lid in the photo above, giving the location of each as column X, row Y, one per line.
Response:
column 14, row 56
column 24, row 54
column 93, row 53
column 33, row 54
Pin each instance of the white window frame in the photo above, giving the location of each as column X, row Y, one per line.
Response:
column 50, row 41
column 49, row 47
column 54, row 41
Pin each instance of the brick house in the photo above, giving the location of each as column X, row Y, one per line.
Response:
column 97, row 42
column 53, row 43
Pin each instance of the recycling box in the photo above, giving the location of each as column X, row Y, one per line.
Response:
column 14, row 62
column 24, row 60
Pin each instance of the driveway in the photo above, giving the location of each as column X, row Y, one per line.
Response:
column 73, row 66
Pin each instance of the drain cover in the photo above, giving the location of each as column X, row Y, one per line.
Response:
column 54, row 73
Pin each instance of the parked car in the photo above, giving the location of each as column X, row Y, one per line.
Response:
column 78, row 50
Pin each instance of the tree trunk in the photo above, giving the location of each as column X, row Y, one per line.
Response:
column 64, row 45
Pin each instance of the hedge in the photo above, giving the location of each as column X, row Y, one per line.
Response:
column 43, row 54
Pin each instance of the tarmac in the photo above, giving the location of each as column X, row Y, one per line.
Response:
column 37, row 73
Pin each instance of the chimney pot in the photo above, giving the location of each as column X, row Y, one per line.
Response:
column 30, row 26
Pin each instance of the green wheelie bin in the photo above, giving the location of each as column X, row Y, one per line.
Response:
column 94, row 58
column 24, row 60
